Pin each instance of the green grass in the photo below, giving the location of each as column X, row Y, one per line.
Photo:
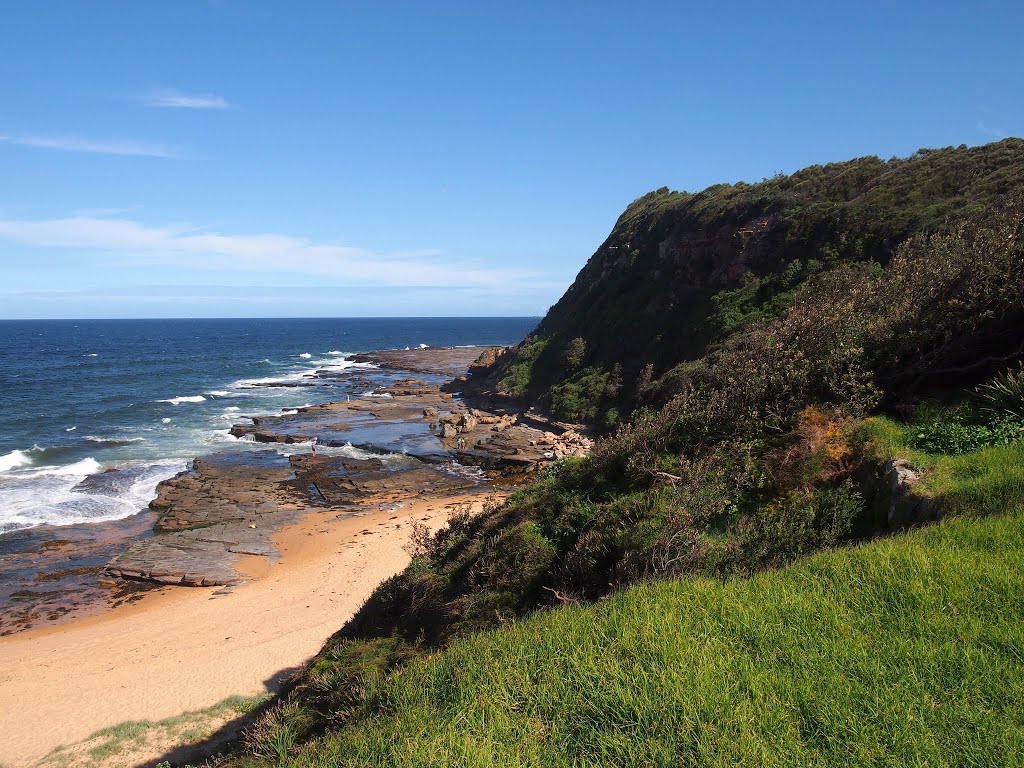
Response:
column 187, row 727
column 908, row 651
column 980, row 483
column 902, row 651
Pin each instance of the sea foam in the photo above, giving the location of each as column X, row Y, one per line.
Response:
column 113, row 442
column 180, row 400
column 81, row 468
column 54, row 496
column 13, row 460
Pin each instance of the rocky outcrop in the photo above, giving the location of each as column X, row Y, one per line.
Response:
column 447, row 362
column 223, row 506
column 891, row 490
column 230, row 504
column 897, row 493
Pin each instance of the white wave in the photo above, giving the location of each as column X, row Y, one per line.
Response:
column 81, row 468
column 232, row 409
column 91, row 354
column 335, row 352
column 289, row 412
column 180, row 400
column 13, row 460
column 424, row 346
column 101, row 439
column 351, row 452
column 28, row 500
column 71, row 429
column 219, row 393
column 305, row 356
column 288, row 377
column 374, row 394
column 165, row 420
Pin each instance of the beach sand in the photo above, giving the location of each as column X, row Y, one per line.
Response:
column 181, row 649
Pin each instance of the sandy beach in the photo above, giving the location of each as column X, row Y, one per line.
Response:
column 181, row 649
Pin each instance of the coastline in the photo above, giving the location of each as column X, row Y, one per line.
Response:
column 281, row 549
column 148, row 661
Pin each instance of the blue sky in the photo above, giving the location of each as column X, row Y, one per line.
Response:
column 230, row 158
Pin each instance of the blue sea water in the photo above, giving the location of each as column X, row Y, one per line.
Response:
column 81, row 396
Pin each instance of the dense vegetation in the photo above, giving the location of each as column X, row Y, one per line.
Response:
column 754, row 386
column 681, row 272
column 902, row 652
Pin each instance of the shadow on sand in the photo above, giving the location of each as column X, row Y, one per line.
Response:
column 232, row 731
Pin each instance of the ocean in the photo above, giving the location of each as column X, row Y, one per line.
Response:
column 145, row 396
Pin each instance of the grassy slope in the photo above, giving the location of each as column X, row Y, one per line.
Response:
column 746, row 467
column 903, row 651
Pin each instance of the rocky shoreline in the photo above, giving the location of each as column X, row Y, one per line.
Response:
column 406, row 438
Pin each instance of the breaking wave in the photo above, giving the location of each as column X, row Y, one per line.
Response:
column 13, row 460
column 180, row 400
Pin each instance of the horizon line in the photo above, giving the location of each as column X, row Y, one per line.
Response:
column 295, row 317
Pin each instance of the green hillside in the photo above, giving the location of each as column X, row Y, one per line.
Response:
column 903, row 651
column 681, row 272
column 848, row 372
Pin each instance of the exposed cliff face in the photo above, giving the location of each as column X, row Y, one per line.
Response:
column 680, row 272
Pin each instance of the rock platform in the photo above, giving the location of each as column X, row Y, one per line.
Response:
column 405, row 438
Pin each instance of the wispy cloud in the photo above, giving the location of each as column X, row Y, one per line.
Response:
column 69, row 143
column 995, row 133
column 187, row 247
column 170, row 99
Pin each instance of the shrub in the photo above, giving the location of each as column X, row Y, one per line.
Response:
column 789, row 527
column 575, row 352
column 964, row 430
column 577, row 399
column 1004, row 393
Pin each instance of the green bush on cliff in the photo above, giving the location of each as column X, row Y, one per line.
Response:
column 682, row 272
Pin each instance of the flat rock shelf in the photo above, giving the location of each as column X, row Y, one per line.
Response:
column 412, row 439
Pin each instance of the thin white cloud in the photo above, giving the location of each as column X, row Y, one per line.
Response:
column 170, row 99
column 68, row 143
column 134, row 244
column 995, row 133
